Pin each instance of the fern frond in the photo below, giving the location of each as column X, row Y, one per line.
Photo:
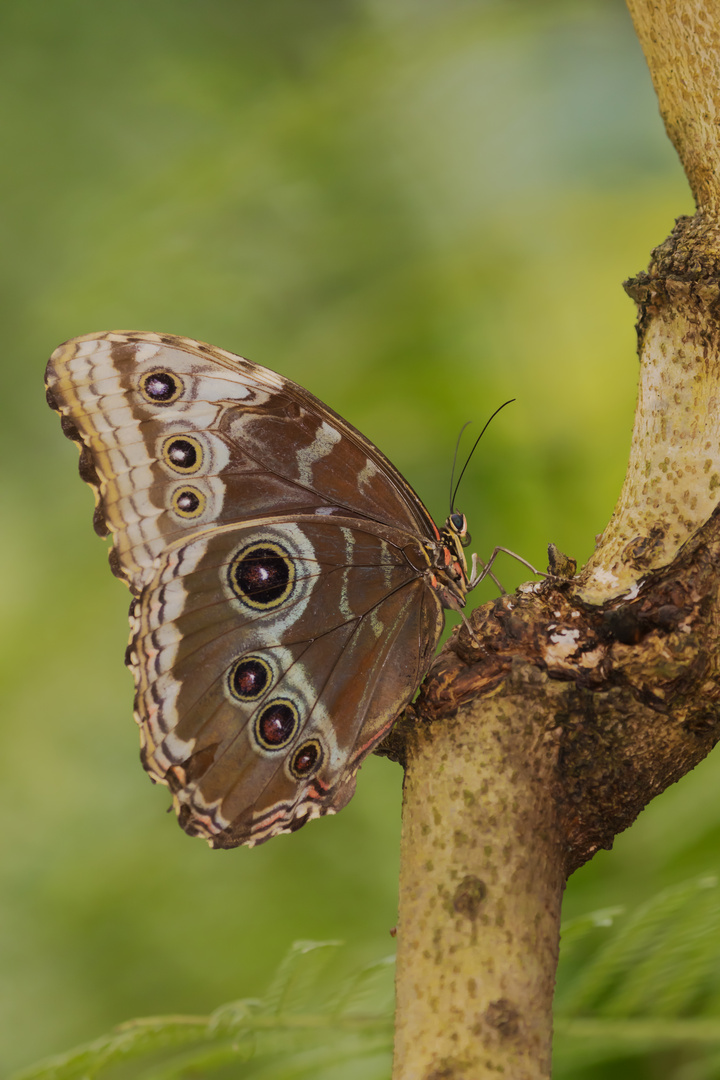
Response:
column 297, row 979
column 650, row 985
column 279, row 1036
column 631, row 984
column 627, row 967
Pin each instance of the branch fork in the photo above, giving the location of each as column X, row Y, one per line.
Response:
column 543, row 733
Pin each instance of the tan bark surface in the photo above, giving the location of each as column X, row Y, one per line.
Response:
column 673, row 479
column 481, row 907
column 580, row 698
column 681, row 43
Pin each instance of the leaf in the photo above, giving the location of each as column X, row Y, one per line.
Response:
column 304, row 1026
column 649, row 985
column 371, row 989
column 299, row 974
column 628, row 951
column 631, row 984
column 134, row 1039
column 577, row 930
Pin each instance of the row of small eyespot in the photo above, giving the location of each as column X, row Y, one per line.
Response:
column 183, row 454
column 277, row 723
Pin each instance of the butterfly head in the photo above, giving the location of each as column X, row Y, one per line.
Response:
column 456, row 524
column 451, row 567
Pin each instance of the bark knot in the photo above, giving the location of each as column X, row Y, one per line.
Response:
column 504, row 1017
column 469, row 897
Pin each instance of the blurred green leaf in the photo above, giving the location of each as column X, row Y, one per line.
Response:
column 650, row 983
column 274, row 1036
column 298, row 976
column 631, row 998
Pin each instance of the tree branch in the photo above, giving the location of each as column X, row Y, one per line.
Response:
column 586, row 697
column 681, row 43
column 673, row 479
column 478, row 938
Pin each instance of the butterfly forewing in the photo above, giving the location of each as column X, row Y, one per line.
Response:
column 231, row 440
column 286, row 604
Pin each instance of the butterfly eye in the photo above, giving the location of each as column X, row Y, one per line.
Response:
column 276, row 725
column 160, row 387
column 458, row 522
column 262, row 575
column 306, row 760
column 249, row 677
column 183, row 455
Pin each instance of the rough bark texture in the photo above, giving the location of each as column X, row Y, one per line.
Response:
column 481, row 906
column 629, row 691
column 580, row 698
column 672, row 483
column 673, row 478
column 681, row 42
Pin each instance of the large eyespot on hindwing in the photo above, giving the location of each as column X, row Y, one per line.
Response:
column 188, row 501
column 306, row 760
column 275, row 725
column 249, row 678
column 160, row 387
column 182, row 454
column 262, row 575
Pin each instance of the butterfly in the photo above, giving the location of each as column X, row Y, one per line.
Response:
column 288, row 584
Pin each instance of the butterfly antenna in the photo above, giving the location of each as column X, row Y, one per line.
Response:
column 452, row 472
column 454, row 493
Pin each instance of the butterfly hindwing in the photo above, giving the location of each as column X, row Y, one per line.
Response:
column 235, row 684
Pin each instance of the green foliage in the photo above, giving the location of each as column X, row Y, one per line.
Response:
column 416, row 209
column 640, row 986
column 643, row 985
column 304, row 1027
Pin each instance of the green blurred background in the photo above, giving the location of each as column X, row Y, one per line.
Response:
column 415, row 208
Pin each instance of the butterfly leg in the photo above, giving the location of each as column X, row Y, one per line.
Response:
column 476, row 577
column 468, row 626
column 486, row 572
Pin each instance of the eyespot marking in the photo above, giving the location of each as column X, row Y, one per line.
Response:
column 188, row 502
column 276, row 725
column 262, row 575
column 306, row 760
column 249, row 677
column 182, row 454
column 161, row 387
